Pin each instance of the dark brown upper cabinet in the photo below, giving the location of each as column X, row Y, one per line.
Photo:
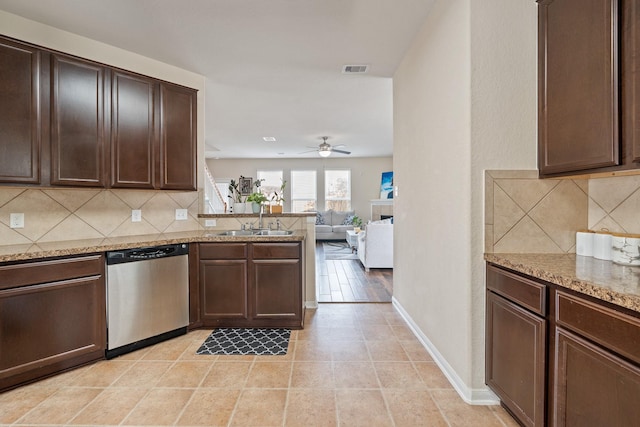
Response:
column 133, row 130
column 72, row 122
column 77, row 122
column 578, row 85
column 177, row 137
column 20, row 115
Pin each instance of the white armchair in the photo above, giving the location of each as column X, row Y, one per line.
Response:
column 375, row 246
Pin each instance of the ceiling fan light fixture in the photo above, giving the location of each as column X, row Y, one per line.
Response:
column 324, row 153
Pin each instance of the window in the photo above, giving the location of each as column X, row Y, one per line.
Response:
column 272, row 182
column 303, row 191
column 337, row 189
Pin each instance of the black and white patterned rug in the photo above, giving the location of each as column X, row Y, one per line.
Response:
column 241, row 341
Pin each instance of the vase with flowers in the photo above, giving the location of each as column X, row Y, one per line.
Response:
column 236, row 197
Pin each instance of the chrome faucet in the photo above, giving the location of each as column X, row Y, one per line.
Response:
column 277, row 223
column 260, row 219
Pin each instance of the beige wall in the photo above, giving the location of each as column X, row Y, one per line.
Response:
column 366, row 174
column 464, row 100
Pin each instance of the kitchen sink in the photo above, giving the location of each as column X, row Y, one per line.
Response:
column 274, row 233
column 236, row 233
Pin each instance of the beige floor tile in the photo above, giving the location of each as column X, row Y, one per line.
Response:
column 402, row 332
column 460, row 414
column 311, row 408
column 416, row 351
column 269, row 375
column 227, row 375
column 364, row 408
column 312, row 350
column 378, row 333
column 168, row 350
column 102, row 374
column 349, row 351
column 317, row 375
column 110, row 407
column 355, row 375
column 184, row 374
column 190, row 352
column 410, row 408
column 260, row 407
column 209, row 407
column 18, row 402
column 503, row 416
column 387, row 351
column 160, row 407
column 143, row 374
column 400, row 375
column 432, row 375
column 60, row 407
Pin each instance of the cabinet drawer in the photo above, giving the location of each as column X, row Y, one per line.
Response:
column 52, row 270
column 276, row 250
column 617, row 331
column 529, row 294
column 223, row 250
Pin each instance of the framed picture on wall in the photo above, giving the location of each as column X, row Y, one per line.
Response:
column 246, row 185
column 386, row 186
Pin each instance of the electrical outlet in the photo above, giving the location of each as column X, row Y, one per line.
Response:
column 181, row 215
column 136, row 215
column 16, row 220
column 209, row 222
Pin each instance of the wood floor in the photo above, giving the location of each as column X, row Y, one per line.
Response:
column 347, row 281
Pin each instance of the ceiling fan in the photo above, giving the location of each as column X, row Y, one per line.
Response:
column 325, row 149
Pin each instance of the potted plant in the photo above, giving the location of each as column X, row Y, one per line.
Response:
column 356, row 221
column 256, row 199
column 278, row 198
column 236, row 196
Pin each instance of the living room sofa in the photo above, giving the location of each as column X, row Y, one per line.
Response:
column 375, row 245
column 333, row 225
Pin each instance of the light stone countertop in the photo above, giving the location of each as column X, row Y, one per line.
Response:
column 77, row 247
column 604, row 280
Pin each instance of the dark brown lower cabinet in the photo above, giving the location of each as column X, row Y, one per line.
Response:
column 516, row 346
column 576, row 363
column 593, row 386
column 251, row 284
column 52, row 317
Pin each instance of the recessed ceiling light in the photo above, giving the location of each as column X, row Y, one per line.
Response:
column 269, row 139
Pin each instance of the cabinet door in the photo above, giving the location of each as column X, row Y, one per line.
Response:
column 276, row 292
column 177, row 161
column 515, row 358
column 133, row 131
column 578, row 85
column 50, row 327
column 77, row 122
column 593, row 387
column 223, row 287
column 20, row 114
column 630, row 30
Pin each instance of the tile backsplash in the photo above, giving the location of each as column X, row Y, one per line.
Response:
column 524, row 214
column 55, row 214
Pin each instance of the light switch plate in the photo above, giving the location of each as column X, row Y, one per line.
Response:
column 136, row 215
column 16, row 220
column 181, row 215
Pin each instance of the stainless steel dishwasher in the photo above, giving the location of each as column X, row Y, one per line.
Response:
column 147, row 296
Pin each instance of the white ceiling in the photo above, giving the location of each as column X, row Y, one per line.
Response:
column 273, row 67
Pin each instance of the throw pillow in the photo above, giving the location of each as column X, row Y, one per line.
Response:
column 338, row 217
column 319, row 219
column 348, row 220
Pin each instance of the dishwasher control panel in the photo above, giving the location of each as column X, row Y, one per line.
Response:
column 152, row 252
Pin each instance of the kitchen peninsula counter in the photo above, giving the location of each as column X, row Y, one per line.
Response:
column 604, row 280
column 77, row 247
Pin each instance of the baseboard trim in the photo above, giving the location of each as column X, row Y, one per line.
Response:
column 481, row 396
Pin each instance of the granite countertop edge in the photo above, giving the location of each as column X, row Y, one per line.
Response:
column 33, row 251
column 604, row 280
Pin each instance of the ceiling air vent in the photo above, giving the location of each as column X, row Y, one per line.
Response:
column 355, row 69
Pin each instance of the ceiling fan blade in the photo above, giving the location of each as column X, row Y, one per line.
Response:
column 341, row 151
column 310, row 151
column 339, row 145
